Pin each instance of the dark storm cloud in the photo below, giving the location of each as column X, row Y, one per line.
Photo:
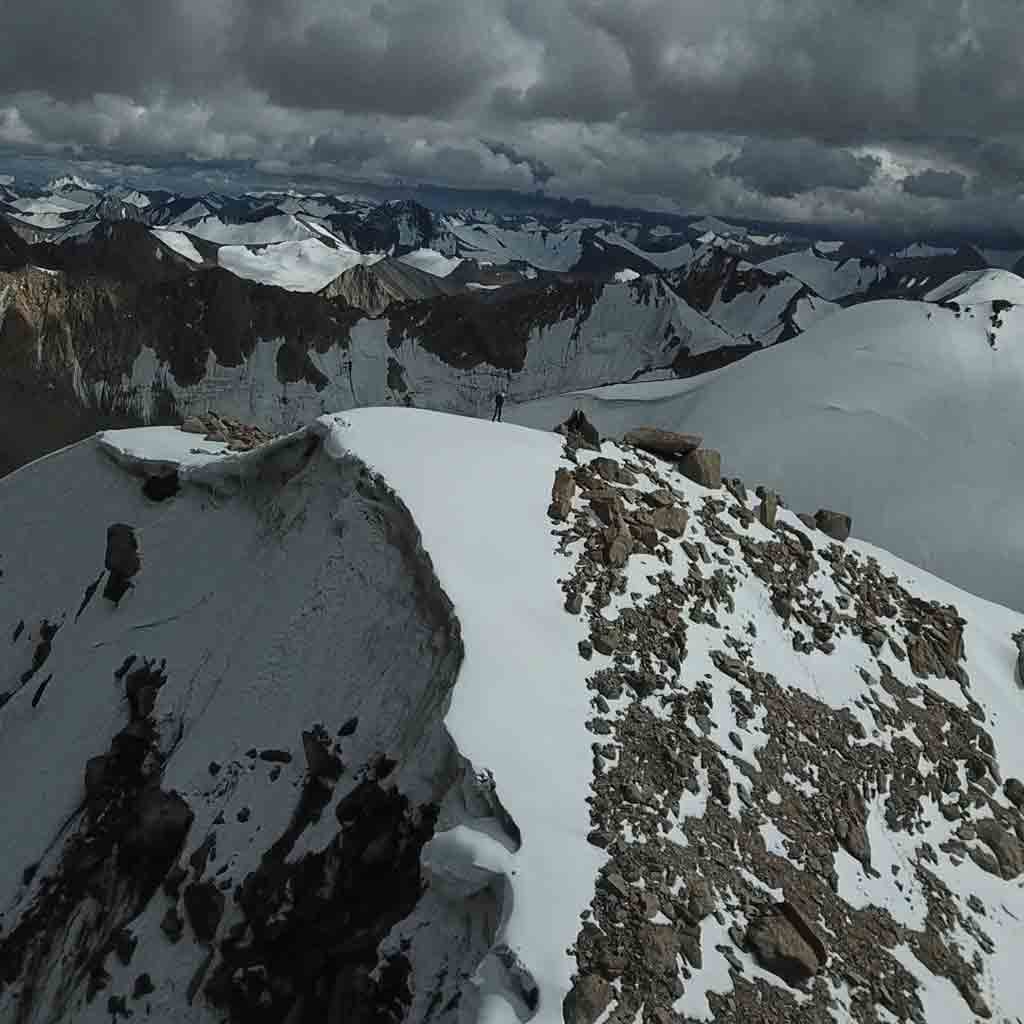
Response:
column 786, row 168
column 72, row 51
column 730, row 106
column 932, row 184
column 541, row 171
column 410, row 57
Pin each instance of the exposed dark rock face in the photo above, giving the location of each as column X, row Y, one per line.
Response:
column 125, row 840
column 719, row 274
column 466, row 331
column 376, row 287
column 105, row 322
column 579, row 432
column 314, row 926
column 122, row 560
column 14, row 250
column 395, row 227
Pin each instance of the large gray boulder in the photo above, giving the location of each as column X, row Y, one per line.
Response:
column 662, row 442
column 785, row 944
column 703, row 466
column 833, row 524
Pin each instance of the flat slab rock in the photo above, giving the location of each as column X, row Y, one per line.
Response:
column 785, row 944
column 663, row 442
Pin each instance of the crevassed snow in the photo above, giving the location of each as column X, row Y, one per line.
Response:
column 975, row 286
column 180, row 243
column 303, row 266
column 431, row 261
column 897, row 413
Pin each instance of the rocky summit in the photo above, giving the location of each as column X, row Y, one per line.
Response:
column 413, row 717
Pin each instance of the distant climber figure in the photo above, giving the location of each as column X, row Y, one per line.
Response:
column 499, row 404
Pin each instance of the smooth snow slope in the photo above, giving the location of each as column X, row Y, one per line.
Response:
column 898, row 413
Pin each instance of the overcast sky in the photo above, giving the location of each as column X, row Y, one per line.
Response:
column 889, row 111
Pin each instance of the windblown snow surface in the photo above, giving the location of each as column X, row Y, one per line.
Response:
column 905, row 415
column 302, row 266
column 398, row 567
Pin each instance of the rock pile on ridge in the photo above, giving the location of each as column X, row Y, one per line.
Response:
column 239, row 437
column 744, row 841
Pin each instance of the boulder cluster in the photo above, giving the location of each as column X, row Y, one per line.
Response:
column 239, row 437
column 733, row 804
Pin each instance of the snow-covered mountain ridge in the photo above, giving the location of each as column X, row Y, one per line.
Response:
column 417, row 717
column 904, row 414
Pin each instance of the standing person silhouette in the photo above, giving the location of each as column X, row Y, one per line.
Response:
column 499, row 404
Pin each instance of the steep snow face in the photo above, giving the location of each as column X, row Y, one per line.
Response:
column 303, row 266
column 736, row 729
column 980, row 286
column 180, row 243
column 431, row 261
column 902, row 414
column 832, row 279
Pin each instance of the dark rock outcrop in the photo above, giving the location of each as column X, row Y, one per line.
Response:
column 834, row 524
column 662, row 442
column 785, row 944
column 703, row 466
